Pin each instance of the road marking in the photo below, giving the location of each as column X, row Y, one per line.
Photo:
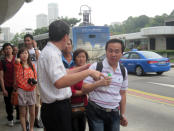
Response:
column 152, row 100
column 162, row 84
column 152, row 97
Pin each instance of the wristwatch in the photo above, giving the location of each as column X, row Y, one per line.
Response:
column 36, row 48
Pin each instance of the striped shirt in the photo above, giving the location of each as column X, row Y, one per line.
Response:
column 108, row 96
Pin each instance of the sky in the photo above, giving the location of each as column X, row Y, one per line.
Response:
column 102, row 11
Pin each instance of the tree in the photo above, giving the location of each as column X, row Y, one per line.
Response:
column 40, row 31
column 172, row 13
column 134, row 24
column 17, row 38
column 70, row 21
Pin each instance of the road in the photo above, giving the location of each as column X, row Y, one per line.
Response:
column 150, row 104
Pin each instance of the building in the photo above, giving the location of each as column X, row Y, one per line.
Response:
column 52, row 12
column 41, row 21
column 151, row 38
column 6, row 33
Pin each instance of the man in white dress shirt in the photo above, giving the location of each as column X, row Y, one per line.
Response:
column 54, row 80
column 103, row 105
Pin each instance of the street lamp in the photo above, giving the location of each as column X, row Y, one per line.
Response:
column 86, row 14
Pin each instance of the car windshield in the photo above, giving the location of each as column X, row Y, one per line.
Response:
column 150, row 54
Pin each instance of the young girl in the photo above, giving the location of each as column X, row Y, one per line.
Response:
column 25, row 76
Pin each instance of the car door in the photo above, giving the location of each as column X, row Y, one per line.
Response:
column 133, row 61
column 124, row 60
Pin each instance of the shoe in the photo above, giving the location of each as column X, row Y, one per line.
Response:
column 27, row 126
column 10, row 123
column 38, row 123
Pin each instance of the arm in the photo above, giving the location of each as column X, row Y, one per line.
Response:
column 76, row 92
column 90, row 87
column 5, row 93
column 36, row 50
column 123, row 119
column 17, row 61
column 78, row 69
column 14, row 80
column 71, row 79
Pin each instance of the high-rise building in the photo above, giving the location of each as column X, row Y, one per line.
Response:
column 6, row 32
column 41, row 21
column 52, row 12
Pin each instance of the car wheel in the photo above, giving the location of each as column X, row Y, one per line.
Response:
column 139, row 71
column 159, row 73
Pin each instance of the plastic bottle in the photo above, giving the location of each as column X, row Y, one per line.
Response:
column 109, row 74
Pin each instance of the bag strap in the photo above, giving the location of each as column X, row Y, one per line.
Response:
column 99, row 66
column 122, row 71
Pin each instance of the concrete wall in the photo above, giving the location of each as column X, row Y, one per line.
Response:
column 160, row 43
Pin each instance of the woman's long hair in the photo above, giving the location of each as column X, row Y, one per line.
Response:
column 28, row 60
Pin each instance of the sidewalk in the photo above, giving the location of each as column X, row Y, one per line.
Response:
column 3, row 120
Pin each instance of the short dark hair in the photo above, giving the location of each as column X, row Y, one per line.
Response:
column 70, row 41
column 78, row 51
column 5, row 45
column 57, row 30
column 115, row 41
column 28, row 35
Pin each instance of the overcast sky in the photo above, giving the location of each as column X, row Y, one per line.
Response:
column 103, row 11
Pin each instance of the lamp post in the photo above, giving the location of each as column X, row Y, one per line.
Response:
column 86, row 14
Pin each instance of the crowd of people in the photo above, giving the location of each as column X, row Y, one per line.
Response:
column 70, row 91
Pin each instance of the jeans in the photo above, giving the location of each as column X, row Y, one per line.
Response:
column 100, row 120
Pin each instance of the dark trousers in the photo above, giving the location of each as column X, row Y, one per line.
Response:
column 100, row 120
column 78, row 121
column 9, row 106
column 57, row 116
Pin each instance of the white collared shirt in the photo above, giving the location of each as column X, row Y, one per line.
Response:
column 108, row 96
column 50, row 69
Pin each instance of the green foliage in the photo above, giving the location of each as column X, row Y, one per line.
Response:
column 40, row 31
column 164, row 51
column 172, row 13
column 17, row 38
column 172, row 60
column 134, row 24
column 70, row 21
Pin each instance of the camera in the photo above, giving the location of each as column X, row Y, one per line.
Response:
column 32, row 81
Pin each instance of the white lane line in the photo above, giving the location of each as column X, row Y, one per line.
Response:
column 162, row 84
